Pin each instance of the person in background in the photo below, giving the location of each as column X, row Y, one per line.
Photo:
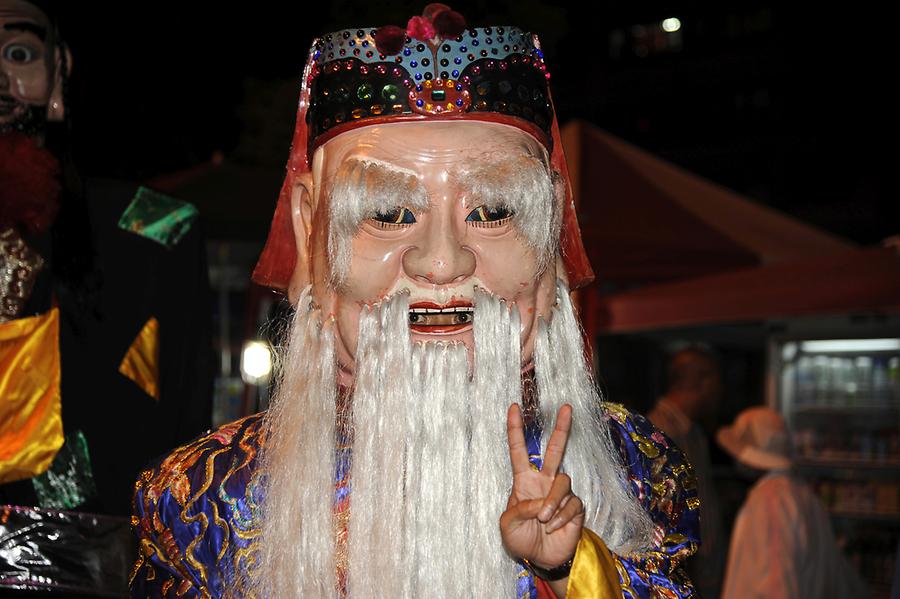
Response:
column 694, row 391
column 782, row 544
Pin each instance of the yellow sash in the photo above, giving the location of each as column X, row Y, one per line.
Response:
column 594, row 573
column 31, row 430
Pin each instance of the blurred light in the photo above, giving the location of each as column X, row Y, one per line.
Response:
column 256, row 362
column 850, row 345
column 671, row 25
column 788, row 351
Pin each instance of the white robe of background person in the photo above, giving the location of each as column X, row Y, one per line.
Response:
column 782, row 545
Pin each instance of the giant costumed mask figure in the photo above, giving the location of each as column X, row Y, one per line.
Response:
column 91, row 270
column 426, row 234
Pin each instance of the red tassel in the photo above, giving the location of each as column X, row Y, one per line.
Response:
column 420, row 28
column 390, row 39
column 449, row 23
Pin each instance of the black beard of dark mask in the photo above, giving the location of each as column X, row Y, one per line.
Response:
column 32, row 120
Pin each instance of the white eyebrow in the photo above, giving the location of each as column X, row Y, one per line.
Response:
column 497, row 181
column 376, row 186
column 383, row 165
column 361, row 188
column 524, row 184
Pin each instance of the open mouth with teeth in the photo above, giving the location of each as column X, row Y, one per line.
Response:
column 428, row 317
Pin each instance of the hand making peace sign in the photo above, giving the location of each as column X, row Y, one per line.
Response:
column 543, row 518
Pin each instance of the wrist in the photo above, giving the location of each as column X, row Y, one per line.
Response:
column 549, row 573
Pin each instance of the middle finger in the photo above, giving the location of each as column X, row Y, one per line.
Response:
column 556, row 446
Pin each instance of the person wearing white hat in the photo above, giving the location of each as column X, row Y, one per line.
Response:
column 782, row 544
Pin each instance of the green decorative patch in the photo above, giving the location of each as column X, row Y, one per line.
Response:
column 158, row 217
column 69, row 482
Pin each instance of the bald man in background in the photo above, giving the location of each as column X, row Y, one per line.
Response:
column 694, row 392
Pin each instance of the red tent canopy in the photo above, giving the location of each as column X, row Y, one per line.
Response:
column 645, row 220
column 705, row 254
column 855, row 281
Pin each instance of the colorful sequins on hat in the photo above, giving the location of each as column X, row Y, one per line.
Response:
column 491, row 69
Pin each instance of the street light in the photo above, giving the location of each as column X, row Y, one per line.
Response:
column 671, row 25
column 256, row 362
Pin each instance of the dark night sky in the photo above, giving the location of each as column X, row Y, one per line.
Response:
column 786, row 107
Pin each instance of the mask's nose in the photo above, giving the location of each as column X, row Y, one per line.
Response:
column 441, row 258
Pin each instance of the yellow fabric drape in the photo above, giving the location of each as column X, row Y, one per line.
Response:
column 141, row 361
column 593, row 574
column 31, row 430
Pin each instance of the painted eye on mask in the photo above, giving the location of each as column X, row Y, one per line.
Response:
column 489, row 217
column 398, row 217
column 19, row 53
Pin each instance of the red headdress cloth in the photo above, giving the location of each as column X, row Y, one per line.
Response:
column 436, row 69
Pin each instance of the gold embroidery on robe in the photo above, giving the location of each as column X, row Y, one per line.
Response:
column 31, row 430
column 141, row 361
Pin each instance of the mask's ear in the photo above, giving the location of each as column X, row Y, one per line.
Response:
column 301, row 220
column 559, row 187
column 561, row 273
column 56, row 109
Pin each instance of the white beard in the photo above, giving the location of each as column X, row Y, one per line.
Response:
column 430, row 468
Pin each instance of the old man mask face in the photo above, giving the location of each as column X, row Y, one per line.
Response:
column 435, row 210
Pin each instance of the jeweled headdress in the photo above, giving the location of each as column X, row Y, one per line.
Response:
column 435, row 69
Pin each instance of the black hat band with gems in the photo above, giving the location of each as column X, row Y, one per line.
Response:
column 497, row 70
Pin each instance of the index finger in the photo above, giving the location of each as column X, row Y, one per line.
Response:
column 556, row 446
column 515, row 433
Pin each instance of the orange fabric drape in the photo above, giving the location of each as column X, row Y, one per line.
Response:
column 141, row 361
column 31, row 430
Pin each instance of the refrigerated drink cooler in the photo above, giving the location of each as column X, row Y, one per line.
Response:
column 841, row 400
